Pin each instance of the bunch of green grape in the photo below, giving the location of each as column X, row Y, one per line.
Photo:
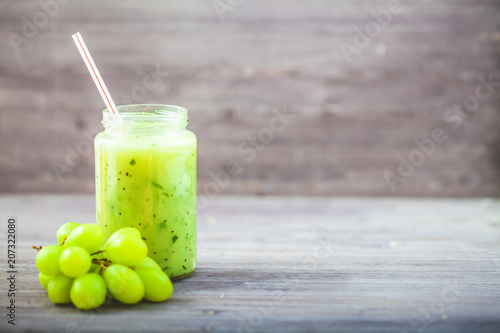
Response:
column 81, row 271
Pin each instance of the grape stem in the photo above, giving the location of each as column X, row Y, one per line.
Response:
column 103, row 263
column 92, row 254
column 36, row 247
column 102, row 259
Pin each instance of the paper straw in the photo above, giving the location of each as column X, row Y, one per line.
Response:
column 87, row 58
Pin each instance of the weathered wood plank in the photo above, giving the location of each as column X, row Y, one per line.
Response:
column 353, row 119
column 295, row 264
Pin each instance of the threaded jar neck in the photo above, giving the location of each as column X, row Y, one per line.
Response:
column 145, row 119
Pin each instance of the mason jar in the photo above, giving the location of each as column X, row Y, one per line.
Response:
column 146, row 178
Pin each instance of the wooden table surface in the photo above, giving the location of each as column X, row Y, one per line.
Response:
column 291, row 264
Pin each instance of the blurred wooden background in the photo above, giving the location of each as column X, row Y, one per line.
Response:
column 352, row 119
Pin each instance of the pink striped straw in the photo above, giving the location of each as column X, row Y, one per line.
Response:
column 87, row 58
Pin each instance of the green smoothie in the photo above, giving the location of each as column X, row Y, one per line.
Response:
column 146, row 178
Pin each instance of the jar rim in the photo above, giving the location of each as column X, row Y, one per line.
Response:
column 143, row 118
column 149, row 109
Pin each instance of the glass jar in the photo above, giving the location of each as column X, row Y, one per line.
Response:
column 146, row 178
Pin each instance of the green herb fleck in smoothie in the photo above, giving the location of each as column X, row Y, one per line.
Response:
column 155, row 184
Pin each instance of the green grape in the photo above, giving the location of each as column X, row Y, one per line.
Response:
column 126, row 250
column 59, row 288
column 89, row 236
column 124, row 284
column 157, row 285
column 88, row 291
column 74, row 261
column 130, row 231
column 44, row 279
column 65, row 230
column 149, row 262
column 47, row 259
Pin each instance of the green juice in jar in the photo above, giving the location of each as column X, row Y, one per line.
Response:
column 146, row 178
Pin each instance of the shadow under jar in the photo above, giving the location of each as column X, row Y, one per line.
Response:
column 146, row 178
